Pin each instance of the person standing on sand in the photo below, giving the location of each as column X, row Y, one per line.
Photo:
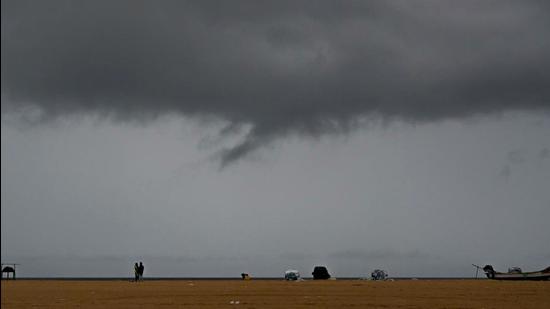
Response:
column 141, row 269
column 136, row 272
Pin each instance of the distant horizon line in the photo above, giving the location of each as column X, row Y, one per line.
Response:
column 130, row 278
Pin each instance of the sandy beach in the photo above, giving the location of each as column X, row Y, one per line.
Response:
column 275, row 294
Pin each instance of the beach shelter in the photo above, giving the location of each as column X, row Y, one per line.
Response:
column 292, row 275
column 320, row 272
column 379, row 274
column 8, row 269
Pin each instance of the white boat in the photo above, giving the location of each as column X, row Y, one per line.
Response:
column 516, row 273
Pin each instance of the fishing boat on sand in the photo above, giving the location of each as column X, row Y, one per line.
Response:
column 515, row 273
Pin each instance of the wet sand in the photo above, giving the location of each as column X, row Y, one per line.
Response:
column 275, row 294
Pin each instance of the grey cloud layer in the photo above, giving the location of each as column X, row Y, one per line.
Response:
column 297, row 67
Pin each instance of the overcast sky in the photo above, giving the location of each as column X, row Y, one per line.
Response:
column 210, row 139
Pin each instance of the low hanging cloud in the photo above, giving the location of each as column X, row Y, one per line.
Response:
column 277, row 67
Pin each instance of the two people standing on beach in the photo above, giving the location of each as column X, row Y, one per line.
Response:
column 138, row 271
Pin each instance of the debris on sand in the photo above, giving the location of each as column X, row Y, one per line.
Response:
column 245, row 276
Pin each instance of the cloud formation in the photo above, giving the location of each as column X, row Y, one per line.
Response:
column 278, row 67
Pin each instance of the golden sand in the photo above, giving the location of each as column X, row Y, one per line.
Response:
column 275, row 294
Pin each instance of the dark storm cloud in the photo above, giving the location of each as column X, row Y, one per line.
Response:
column 296, row 67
